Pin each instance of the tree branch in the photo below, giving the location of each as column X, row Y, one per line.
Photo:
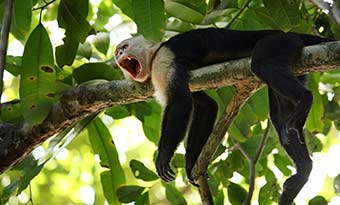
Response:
column 4, row 40
column 17, row 140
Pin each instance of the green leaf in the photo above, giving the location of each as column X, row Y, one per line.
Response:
column 140, row 171
column 284, row 11
column 150, row 18
column 90, row 71
column 72, row 17
column 143, row 199
column 37, row 82
column 13, row 64
column 152, row 123
column 269, row 193
column 336, row 184
column 85, row 50
column 236, row 194
column 127, row 194
column 66, row 53
column 125, row 6
column 178, row 26
column 11, row 112
column 314, row 121
column 318, row 200
column 282, row 163
column 186, row 11
column 174, row 196
column 118, row 112
column 105, row 11
column 21, row 18
column 331, row 77
column 102, row 144
column 102, row 42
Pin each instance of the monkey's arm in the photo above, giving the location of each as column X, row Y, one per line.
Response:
column 175, row 121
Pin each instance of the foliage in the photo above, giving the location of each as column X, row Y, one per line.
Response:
column 68, row 168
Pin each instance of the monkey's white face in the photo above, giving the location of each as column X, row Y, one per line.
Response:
column 134, row 56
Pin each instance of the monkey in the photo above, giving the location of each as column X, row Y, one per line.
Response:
column 167, row 65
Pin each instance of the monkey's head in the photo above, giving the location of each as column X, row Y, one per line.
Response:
column 134, row 56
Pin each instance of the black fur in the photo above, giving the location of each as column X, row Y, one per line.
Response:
column 289, row 100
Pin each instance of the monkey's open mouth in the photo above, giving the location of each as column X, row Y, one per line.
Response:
column 131, row 65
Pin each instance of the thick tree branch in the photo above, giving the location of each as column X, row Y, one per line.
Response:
column 17, row 140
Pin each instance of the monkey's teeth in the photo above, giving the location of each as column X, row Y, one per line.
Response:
column 129, row 58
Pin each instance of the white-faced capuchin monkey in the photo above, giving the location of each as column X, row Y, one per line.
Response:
column 167, row 65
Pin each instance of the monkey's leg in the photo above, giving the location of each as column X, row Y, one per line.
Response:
column 176, row 117
column 270, row 62
column 294, row 144
column 203, row 119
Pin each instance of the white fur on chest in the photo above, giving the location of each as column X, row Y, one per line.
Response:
column 161, row 74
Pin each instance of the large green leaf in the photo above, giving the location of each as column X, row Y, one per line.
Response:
column 284, row 11
column 102, row 42
column 150, row 18
column 37, row 82
column 102, row 144
column 186, row 11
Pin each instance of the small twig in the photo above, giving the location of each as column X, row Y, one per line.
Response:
column 4, row 40
column 253, row 162
column 31, row 194
column 238, row 13
column 44, row 6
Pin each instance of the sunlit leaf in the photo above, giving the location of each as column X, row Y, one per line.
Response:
column 37, row 82
column 314, row 121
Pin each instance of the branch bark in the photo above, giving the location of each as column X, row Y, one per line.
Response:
column 18, row 140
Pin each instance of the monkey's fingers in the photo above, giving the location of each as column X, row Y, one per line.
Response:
column 165, row 172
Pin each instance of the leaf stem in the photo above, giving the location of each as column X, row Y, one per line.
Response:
column 44, row 6
column 238, row 13
column 253, row 162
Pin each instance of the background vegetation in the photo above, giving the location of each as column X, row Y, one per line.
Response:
column 108, row 157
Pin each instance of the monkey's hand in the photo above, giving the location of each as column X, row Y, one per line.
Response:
column 163, row 167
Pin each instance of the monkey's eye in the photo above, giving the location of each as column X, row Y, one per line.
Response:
column 125, row 46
